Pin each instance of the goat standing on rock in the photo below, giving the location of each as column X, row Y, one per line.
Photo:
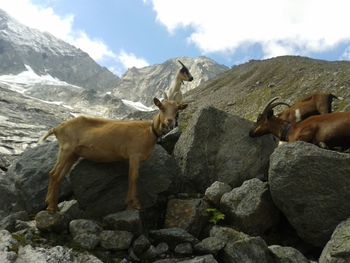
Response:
column 175, row 90
column 326, row 130
column 104, row 140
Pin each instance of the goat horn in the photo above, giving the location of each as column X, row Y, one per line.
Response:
column 268, row 105
column 278, row 103
column 181, row 63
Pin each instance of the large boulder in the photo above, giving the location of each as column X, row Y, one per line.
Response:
column 29, row 173
column 337, row 249
column 216, row 147
column 310, row 186
column 101, row 188
column 250, row 208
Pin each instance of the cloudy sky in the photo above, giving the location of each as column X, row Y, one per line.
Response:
column 120, row 34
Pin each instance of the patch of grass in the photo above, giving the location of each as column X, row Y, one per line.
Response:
column 215, row 216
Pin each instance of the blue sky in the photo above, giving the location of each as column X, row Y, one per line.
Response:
column 120, row 34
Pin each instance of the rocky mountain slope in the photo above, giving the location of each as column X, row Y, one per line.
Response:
column 245, row 89
column 145, row 83
column 45, row 54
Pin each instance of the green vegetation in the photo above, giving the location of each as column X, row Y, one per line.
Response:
column 215, row 216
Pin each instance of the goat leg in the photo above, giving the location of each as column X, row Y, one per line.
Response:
column 132, row 200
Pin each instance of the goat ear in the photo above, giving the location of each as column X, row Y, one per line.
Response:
column 182, row 106
column 165, row 96
column 158, row 103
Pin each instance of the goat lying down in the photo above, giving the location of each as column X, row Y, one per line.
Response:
column 104, row 140
column 326, row 130
column 316, row 103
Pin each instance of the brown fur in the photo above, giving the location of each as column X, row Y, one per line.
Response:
column 331, row 129
column 315, row 104
column 104, row 140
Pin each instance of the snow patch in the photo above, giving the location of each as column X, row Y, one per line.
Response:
column 28, row 78
column 137, row 105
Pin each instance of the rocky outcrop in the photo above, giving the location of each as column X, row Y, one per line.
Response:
column 108, row 183
column 29, row 175
column 310, row 186
column 250, row 207
column 337, row 249
column 211, row 149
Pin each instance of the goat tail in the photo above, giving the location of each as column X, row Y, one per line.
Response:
column 48, row 134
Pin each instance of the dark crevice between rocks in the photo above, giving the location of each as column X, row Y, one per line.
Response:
column 284, row 234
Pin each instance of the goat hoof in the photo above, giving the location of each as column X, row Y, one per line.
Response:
column 133, row 205
column 52, row 210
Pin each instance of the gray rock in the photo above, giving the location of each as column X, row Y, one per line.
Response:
column 86, row 240
column 205, row 150
column 162, row 248
column 249, row 250
column 188, row 214
column 140, row 245
column 128, row 220
column 115, row 240
column 166, row 260
column 58, row 254
column 9, row 200
column 214, row 192
column 200, row 259
column 151, row 253
column 9, row 222
column 8, row 247
column 172, row 236
column 70, row 209
column 250, row 207
column 288, row 254
column 56, row 222
column 311, row 189
column 227, row 234
column 86, row 258
column 183, row 249
column 337, row 250
column 7, row 242
column 8, row 257
column 209, row 245
column 108, row 183
column 30, row 173
column 4, row 162
column 84, row 226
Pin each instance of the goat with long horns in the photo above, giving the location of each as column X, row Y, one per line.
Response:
column 326, row 130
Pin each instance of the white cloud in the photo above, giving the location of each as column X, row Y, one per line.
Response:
column 129, row 60
column 279, row 26
column 45, row 19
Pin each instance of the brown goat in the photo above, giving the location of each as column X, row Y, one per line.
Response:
column 326, row 130
column 104, row 140
column 317, row 103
